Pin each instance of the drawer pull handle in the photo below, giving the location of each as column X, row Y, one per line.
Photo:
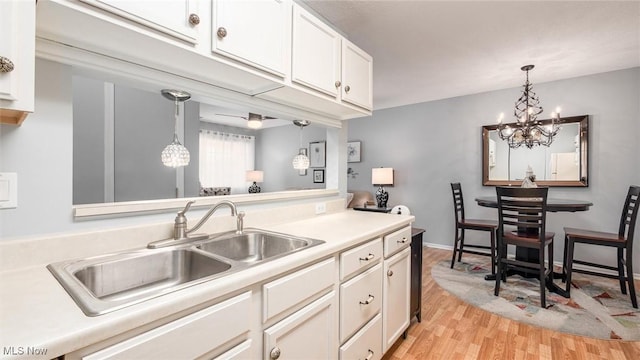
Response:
column 369, row 257
column 347, row 89
column 275, row 353
column 370, row 356
column 390, row 272
column 368, row 301
column 403, row 241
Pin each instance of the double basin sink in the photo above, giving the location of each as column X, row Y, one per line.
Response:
column 106, row 283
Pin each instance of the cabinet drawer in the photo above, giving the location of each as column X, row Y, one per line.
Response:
column 366, row 344
column 360, row 257
column 396, row 241
column 242, row 351
column 360, row 300
column 284, row 293
column 188, row 337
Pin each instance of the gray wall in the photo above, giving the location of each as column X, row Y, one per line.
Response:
column 435, row 143
column 275, row 160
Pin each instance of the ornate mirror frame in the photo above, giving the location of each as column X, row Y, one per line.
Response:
column 582, row 120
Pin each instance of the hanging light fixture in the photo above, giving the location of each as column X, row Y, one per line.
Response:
column 527, row 130
column 175, row 154
column 301, row 161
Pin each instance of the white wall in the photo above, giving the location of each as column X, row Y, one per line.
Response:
column 435, row 143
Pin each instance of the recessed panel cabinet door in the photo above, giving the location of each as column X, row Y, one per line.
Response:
column 17, row 52
column 255, row 32
column 178, row 18
column 395, row 306
column 315, row 54
column 310, row 333
column 357, row 75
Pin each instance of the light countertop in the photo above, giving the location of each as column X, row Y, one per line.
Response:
column 36, row 311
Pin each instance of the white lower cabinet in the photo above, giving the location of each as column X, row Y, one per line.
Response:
column 310, row 333
column 366, row 344
column 189, row 337
column 242, row 351
column 396, row 296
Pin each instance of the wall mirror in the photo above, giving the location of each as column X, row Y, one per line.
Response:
column 119, row 132
column 563, row 163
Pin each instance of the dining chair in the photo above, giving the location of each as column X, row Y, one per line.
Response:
column 622, row 240
column 522, row 217
column 463, row 224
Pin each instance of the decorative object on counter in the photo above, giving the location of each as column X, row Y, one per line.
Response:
column 596, row 308
column 353, row 151
column 318, row 176
column 529, row 180
column 400, row 210
column 317, row 154
column 301, row 161
column 373, row 209
column 175, row 154
column 256, row 176
column 215, row 191
column 527, row 130
column 382, row 176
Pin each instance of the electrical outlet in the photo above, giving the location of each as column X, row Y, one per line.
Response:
column 321, row 208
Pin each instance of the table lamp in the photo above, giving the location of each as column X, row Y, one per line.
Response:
column 382, row 176
column 255, row 176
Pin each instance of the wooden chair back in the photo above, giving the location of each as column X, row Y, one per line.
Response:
column 523, row 210
column 629, row 214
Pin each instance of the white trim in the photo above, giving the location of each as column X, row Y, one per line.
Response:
column 127, row 207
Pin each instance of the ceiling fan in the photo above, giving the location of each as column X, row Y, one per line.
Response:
column 254, row 121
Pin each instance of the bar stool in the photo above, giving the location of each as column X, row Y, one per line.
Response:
column 463, row 224
column 623, row 241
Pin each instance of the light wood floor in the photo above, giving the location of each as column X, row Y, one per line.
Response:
column 452, row 329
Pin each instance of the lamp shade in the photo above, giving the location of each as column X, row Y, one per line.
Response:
column 255, row 175
column 382, row 176
column 254, row 123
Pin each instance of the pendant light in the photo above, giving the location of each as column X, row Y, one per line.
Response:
column 175, row 154
column 301, row 161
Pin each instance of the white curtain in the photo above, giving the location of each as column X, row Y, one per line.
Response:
column 224, row 160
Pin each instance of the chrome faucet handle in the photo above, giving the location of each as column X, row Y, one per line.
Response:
column 240, row 223
column 180, row 223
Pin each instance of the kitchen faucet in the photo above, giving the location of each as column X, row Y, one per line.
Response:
column 181, row 233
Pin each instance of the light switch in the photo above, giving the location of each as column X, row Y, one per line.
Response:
column 8, row 190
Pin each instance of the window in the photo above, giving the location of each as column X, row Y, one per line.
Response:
column 224, row 160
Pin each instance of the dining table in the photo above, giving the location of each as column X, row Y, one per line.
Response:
column 531, row 255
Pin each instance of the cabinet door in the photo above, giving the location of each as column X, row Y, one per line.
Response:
column 17, row 26
column 254, row 32
column 315, row 53
column 308, row 333
column 395, row 305
column 189, row 337
column 357, row 76
column 171, row 17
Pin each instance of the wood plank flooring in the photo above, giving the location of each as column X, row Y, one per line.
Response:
column 452, row 329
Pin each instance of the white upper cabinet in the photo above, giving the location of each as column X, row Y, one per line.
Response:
column 255, row 32
column 315, row 53
column 357, row 76
column 17, row 58
column 178, row 18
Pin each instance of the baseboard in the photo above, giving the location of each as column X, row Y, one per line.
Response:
column 636, row 276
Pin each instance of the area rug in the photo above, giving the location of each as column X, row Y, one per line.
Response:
column 596, row 308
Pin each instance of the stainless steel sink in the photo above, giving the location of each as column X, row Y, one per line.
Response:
column 254, row 246
column 106, row 283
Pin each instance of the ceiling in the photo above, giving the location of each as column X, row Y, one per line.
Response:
column 428, row 50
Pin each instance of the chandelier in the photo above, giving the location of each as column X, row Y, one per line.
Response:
column 175, row 154
column 527, row 130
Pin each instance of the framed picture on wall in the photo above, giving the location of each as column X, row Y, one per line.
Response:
column 317, row 154
column 318, row 175
column 303, row 172
column 353, row 151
